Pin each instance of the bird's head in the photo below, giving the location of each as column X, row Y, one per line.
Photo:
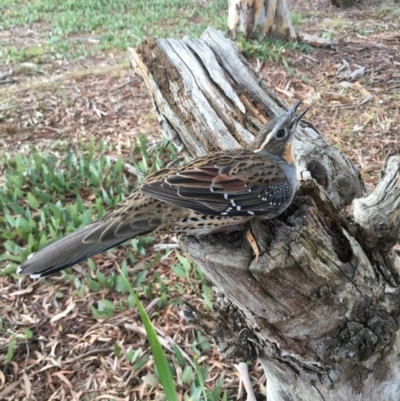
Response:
column 275, row 137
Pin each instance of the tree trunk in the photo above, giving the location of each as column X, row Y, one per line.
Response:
column 321, row 304
column 256, row 18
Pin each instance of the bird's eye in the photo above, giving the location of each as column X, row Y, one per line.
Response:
column 280, row 134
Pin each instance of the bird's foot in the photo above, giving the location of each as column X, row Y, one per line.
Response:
column 253, row 243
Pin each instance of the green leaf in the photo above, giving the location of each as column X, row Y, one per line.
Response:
column 179, row 270
column 161, row 362
column 179, row 356
column 132, row 355
column 93, row 285
column 203, row 342
column 131, row 301
column 129, row 354
column 42, row 241
column 32, row 201
column 140, row 363
column 91, row 264
column 185, row 262
column 121, row 285
column 187, row 375
column 10, row 350
column 117, row 350
column 108, row 305
column 77, row 282
column 101, row 277
column 95, row 313
column 201, row 375
column 140, row 278
column 16, row 208
column 11, row 247
column 12, row 268
column 10, row 220
column 17, row 181
column 28, row 334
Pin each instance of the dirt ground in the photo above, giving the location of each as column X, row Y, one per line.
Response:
column 354, row 89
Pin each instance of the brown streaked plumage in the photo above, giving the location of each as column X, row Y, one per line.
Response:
column 212, row 193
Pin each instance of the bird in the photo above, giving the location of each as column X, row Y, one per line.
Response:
column 218, row 192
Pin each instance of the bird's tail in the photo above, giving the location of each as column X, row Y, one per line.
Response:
column 76, row 247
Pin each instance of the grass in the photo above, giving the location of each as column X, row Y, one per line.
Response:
column 78, row 28
column 269, row 50
column 296, row 18
column 47, row 194
column 389, row 9
column 42, row 194
column 338, row 23
column 272, row 51
column 346, row 3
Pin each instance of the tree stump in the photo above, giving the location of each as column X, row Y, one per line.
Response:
column 255, row 18
column 322, row 302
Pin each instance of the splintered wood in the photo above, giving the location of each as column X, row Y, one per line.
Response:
column 323, row 295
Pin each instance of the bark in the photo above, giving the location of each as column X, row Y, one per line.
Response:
column 320, row 307
column 256, row 18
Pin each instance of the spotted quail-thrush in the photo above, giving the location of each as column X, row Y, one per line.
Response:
column 220, row 191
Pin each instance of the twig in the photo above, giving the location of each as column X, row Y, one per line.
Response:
column 9, row 81
column 129, row 168
column 92, row 352
column 161, row 247
column 7, row 108
column 124, row 84
column 171, row 163
column 244, row 379
column 5, row 74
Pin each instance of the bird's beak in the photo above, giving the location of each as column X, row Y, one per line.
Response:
column 295, row 119
column 292, row 111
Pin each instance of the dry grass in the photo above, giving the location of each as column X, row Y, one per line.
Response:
column 72, row 355
column 100, row 99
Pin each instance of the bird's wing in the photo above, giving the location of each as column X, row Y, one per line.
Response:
column 235, row 183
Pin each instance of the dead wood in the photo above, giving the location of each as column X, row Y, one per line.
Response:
column 323, row 299
column 257, row 18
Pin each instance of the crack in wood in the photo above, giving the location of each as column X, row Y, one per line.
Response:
column 323, row 300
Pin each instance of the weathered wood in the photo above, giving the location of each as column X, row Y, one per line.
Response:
column 379, row 214
column 323, row 300
column 256, row 18
column 316, row 41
